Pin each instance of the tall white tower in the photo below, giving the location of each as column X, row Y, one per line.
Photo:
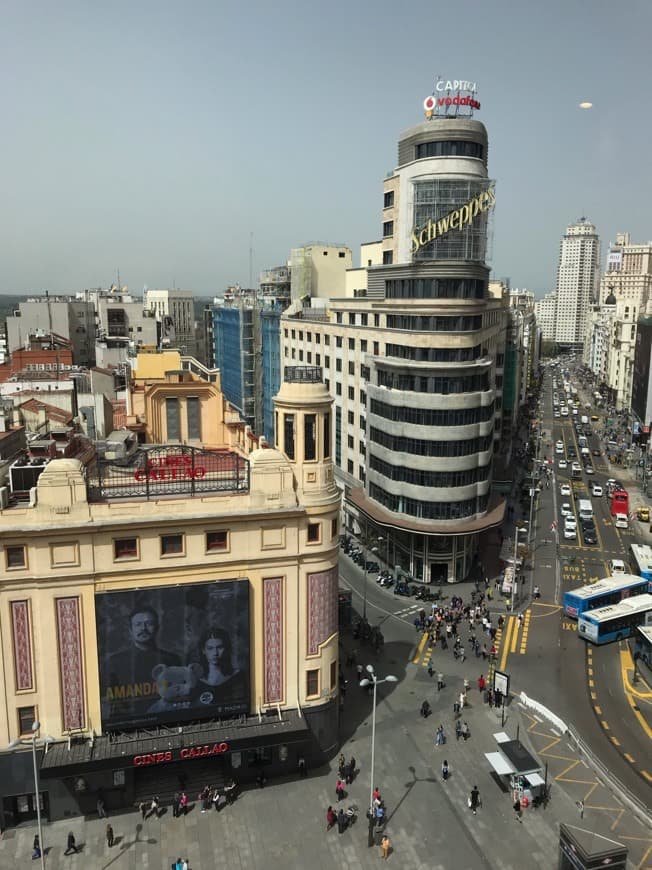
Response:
column 577, row 281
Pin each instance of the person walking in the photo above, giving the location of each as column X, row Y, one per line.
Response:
column 183, row 803
column 458, row 729
column 331, row 818
column 36, row 848
column 109, row 836
column 155, row 806
column 341, row 821
column 440, row 682
column 339, row 789
column 303, row 769
column 465, row 730
column 341, row 765
column 352, row 764
column 385, row 846
column 481, row 683
column 430, row 670
column 440, row 737
column 101, row 808
column 517, row 810
column 444, row 770
column 474, row 800
column 425, row 709
column 71, row 845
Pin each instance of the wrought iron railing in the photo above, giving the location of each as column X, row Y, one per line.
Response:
column 154, row 472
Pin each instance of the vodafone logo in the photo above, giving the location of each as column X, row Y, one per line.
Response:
column 429, row 103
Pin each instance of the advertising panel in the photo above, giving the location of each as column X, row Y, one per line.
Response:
column 173, row 653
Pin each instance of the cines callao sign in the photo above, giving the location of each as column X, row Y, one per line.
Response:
column 454, row 220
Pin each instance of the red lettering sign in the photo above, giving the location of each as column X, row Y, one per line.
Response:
column 152, row 758
column 184, row 755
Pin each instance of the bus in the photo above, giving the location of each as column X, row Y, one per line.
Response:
column 640, row 557
column 619, row 502
column 609, row 590
column 617, row 621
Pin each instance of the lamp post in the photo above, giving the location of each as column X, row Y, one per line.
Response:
column 372, row 679
column 45, row 741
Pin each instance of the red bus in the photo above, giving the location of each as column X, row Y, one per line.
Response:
column 619, row 502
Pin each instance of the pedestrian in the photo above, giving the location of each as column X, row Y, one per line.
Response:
column 425, row 709
column 175, row 805
column 481, row 683
column 341, row 821
column 303, row 770
column 517, row 809
column 440, row 737
column 71, row 845
column 458, row 729
column 440, row 682
column 339, row 789
column 183, row 803
column 142, row 806
column 375, row 795
column 474, row 800
column 331, row 818
column 465, row 730
column 360, row 671
column 341, row 764
column 36, row 848
column 155, row 805
column 109, row 836
column 462, row 700
column 352, row 766
column 444, row 770
column 430, row 670
column 101, row 810
column 385, row 846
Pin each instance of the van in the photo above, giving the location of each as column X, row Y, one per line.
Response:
column 621, row 521
column 584, row 420
column 617, row 566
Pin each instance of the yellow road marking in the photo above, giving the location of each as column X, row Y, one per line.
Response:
column 524, row 633
column 505, row 644
column 625, row 664
column 515, row 635
column 647, row 775
column 598, row 710
column 629, row 758
column 605, row 725
column 419, row 651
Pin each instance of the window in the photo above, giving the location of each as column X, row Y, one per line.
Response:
column 349, row 466
column 376, row 319
column 310, row 437
column 26, row 718
column 318, row 338
column 15, row 557
column 351, row 418
column 338, row 341
column 338, row 365
column 289, row 435
column 312, row 683
column 338, row 317
column 171, row 545
column 327, row 435
column 341, row 255
column 327, row 340
column 351, row 319
column 352, row 344
column 388, row 199
column 173, row 420
column 125, row 548
column 300, row 356
column 334, row 527
column 216, row 541
column 350, row 442
column 327, row 362
column 352, row 393
column 364, row 319
column 363, row 345
column 300, row 335
column 338, row 389
column 333, row 676
column 193, row 418
column 313, row 533
column 388, row 258
column 388, row 229
column 376, row 348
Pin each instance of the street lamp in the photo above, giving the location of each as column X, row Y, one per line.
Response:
column 364, row 599
column 372, row 679
column 44, row 741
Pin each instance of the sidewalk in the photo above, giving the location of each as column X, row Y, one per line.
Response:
column 283, row 825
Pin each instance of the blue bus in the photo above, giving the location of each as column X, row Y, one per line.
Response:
column 610, row 590
column 616, row 621
column 641, row 560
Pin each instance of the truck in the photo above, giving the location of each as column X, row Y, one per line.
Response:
column 585, row 509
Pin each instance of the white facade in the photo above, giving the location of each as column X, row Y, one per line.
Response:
column 577, row 282
column 544, row 311
column 175, row 309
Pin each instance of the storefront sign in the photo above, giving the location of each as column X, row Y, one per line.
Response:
column 185, row 754
column 454, row 220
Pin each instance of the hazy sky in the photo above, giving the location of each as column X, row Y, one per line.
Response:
column 156, row 137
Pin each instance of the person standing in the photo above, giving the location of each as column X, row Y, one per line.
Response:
column 331, row 818
column 444, row 770
column 339, row 789
column 440, row 682
column 175, row 805
column 183, row 803
column 341, row 821
column 303, row 770
column 517, row 809
column 481, row 683
column 142, row 806
column 71, row 845
column 109, row 836
column 36, row 848
column 474, row 800
column 352, row 764
column 101, row 808
column 385, row 846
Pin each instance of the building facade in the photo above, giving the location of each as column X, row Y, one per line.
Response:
column 173, row 616
column 578, row 276
column 71, row 319
column 414, row 359
column 175, row 309
column 545, row 310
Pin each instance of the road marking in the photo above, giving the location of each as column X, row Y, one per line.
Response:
column 514, row 644
column 524, row 633
column 647, row 775
column 505, row 642
column 605, row 725
column 629, row 758
column 626, row 663
column 598, row 710
column 419, row 651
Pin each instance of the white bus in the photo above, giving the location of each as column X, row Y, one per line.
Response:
column 616, row 621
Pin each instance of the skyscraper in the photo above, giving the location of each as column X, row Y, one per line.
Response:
column 577, row 282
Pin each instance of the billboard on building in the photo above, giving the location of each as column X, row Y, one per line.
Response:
column 173, row 653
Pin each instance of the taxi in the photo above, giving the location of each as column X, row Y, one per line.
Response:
column 643, row 514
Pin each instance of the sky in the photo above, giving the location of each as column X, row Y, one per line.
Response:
column 195, row 143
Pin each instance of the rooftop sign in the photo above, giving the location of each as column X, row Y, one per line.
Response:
column 457, row 219
column 451, row 98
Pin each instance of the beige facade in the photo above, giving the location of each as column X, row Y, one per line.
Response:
column 264, row 519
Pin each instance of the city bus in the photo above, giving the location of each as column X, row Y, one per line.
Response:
column 640, row 557
column 619, row 502
column 609, row 590
column 617, row 621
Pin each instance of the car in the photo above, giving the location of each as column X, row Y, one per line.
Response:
column 643, row 514
column 572, row 452
column 596, row 489
column 559, row 447
column 570, row 534
column 596, row 452
column 594, row 417
column 563, row 463
column 570, row 523
column 557, row 414
column 565, row 489
column 566, row 510
column 588, row 468
column 589, row 536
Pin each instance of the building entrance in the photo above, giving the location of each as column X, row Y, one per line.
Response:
column 439, row 572
column 20, row 808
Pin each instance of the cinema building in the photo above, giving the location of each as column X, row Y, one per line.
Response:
column 171, row 617
column 413, row 352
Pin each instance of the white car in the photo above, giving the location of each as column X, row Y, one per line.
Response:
column 557, row 414
column 569, row 533
column 570, row 523
column 565, row 489
column 596, row 489
column 588, row 469
column 559, row 447
column 566, row 510
column 563, row 463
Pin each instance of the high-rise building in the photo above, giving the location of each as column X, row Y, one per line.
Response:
column 545, row 310
column 175, row 308
column 577, row 282
column 413, row 354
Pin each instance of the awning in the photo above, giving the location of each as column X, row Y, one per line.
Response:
column 535, row 779
column 499, row 763
column 501, row 737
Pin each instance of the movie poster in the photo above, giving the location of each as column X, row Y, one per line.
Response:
column 173, row 653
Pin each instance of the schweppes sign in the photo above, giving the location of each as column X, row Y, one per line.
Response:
column 454, row 220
